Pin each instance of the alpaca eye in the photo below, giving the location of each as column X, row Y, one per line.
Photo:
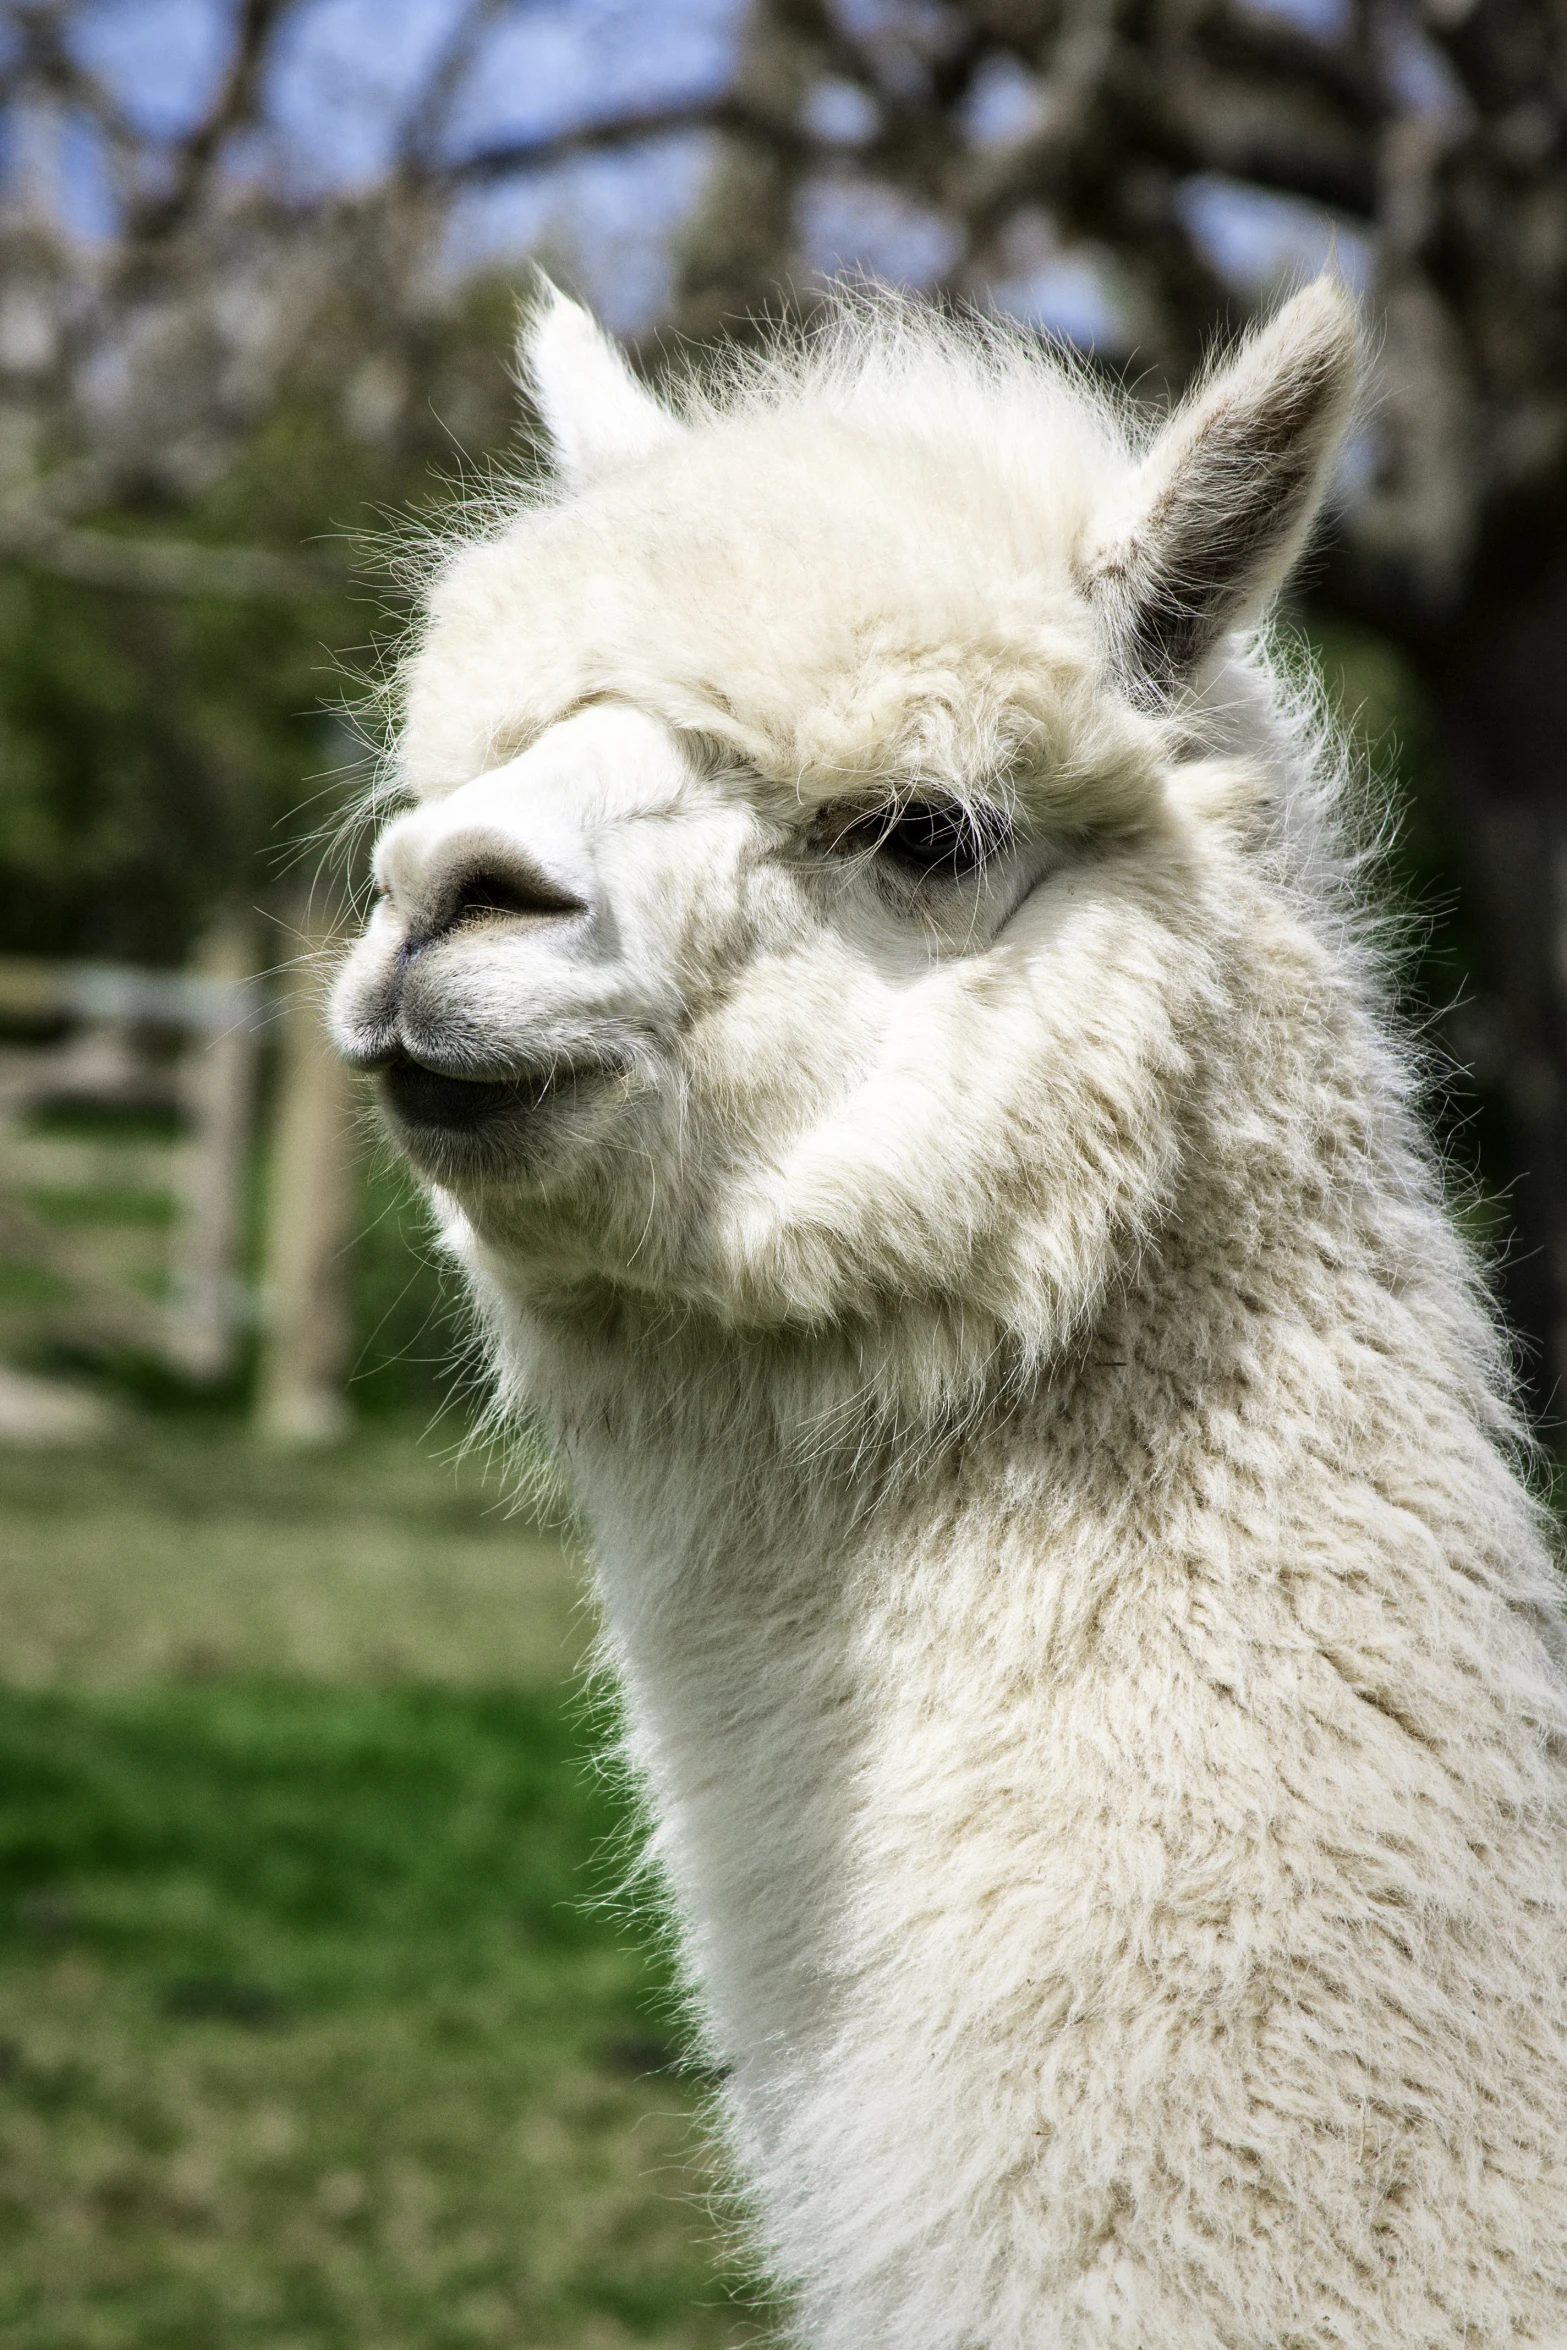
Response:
column 922, row 838
column 935, row 836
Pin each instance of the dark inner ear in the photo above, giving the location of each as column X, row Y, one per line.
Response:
column 1211, row 535
column 1221, row 504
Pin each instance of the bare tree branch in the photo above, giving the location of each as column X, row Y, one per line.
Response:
column 418, row 148
column 730, row 115
column 233, row 105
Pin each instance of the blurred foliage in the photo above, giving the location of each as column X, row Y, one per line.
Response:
column 408, row 1307
column 152, row 747
column 1382, row 711
column 1438, row 953
column 163, row 754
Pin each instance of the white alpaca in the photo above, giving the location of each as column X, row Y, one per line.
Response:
column 870, row 983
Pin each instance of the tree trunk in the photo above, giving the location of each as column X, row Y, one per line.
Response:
column 1496, row 679
column 310, row 1220
column 208, row 1306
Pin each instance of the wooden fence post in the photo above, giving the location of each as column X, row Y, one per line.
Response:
column 207, row 1308
column 310, row 1216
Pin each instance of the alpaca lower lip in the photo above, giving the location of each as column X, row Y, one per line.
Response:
column 422, row 1097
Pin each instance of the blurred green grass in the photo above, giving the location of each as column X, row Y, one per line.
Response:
column 317, row 2028
column 187, row 1550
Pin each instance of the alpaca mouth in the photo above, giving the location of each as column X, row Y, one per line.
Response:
column 433, row 1102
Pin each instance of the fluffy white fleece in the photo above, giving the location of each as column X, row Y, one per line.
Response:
column 1089, row 1651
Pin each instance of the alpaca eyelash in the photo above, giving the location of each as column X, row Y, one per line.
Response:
column 937, row 839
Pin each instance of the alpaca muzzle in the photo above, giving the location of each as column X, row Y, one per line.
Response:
column 422, row 1100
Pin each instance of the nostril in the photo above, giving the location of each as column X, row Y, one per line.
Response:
column 478, row 894
column 485, row 895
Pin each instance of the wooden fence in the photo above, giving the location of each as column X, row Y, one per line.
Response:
column 118, row 1038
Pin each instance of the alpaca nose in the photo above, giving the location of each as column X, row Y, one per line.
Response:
column 472, row 884
column 490, row 890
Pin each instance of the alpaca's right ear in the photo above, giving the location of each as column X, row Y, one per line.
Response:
column 1218, row 510
column 597, row 415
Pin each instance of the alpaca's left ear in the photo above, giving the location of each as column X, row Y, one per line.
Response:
column 1218, row 510
column 597, row 415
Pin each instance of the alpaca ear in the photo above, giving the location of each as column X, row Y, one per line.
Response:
column 597, row 415
column 1218, row 510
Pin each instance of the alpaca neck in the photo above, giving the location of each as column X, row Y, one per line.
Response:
column 786, row 1586
column 958, row 1743
column 744, row 1532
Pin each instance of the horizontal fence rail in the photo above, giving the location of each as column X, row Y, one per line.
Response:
column 125, row 994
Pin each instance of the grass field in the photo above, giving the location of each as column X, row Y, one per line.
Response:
column 316, row 2030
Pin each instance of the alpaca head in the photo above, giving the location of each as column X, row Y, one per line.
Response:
column 818, row 795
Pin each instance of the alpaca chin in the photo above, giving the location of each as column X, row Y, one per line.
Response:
column 874, row 976
column 462, row 1130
